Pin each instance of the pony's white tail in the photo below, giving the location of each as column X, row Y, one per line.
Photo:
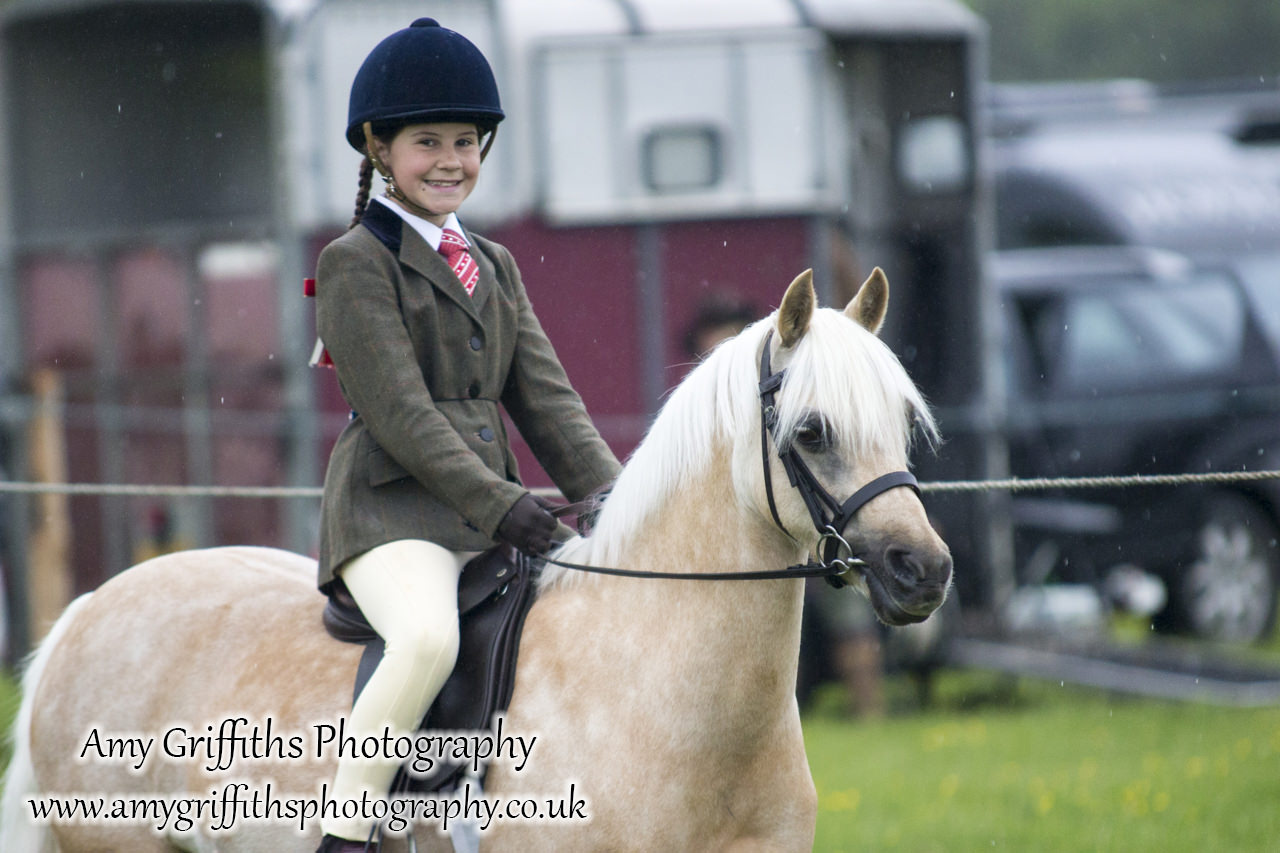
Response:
column 17, row 830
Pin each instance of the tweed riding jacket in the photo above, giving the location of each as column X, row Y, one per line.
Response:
column 424, row 367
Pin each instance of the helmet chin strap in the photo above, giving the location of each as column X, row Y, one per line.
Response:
column 394, row 191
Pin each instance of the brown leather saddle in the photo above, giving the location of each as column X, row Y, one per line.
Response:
column 495, row 591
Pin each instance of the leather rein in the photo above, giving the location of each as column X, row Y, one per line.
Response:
column 829, row 515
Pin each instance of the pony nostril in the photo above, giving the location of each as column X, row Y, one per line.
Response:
column 908, row 567
column 904, row 565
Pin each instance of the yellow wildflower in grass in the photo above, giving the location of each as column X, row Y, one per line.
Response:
column 1083, row 790
column 847, row 800
column 1135, row 798
column 1043, row 796
column 953, row 734
column 948, row 786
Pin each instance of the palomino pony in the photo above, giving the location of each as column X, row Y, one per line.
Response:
column 664, row 710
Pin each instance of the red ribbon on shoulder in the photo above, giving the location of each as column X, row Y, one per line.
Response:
column 319, row 355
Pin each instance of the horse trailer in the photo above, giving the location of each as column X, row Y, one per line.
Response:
column 172, row 169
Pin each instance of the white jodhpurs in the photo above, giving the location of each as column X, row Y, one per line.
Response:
column 408, row 590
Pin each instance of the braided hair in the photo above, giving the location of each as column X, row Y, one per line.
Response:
column 362, row 196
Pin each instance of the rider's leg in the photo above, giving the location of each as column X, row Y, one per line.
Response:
column 408, row 590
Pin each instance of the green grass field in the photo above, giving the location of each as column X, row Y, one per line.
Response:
column 1040, row 767
column 8, row 708
column 1029, row 766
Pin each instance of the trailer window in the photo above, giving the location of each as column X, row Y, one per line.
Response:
column 933, row 156
column 682, row 159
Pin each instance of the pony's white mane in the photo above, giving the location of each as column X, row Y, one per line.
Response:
column 837, row 368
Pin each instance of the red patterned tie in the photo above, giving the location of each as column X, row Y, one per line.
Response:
column 454, row 249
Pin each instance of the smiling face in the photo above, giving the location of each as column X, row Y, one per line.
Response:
column 435, row 165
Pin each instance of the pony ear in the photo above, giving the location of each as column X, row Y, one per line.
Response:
column 797, row 309
column 868, row 307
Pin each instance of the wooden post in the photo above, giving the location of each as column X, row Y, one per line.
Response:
column 49, row 542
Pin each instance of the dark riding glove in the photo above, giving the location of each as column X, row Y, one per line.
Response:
column 528, row 526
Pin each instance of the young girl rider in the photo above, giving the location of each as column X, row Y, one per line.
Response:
column 431, row 332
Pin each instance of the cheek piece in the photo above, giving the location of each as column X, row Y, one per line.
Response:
column 830, row 516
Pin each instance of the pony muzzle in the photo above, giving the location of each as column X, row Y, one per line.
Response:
column 906, row 585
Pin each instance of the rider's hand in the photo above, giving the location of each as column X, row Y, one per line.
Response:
column 528, row 526
column 592, row 505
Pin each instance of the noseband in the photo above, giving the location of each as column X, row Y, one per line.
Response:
column 830, row 516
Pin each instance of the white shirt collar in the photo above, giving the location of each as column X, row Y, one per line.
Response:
column 429, row 230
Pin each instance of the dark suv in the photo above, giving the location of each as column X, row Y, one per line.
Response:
column 1129, row 361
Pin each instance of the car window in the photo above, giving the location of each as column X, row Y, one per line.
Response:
column 1261, row 276
column 1133, row 336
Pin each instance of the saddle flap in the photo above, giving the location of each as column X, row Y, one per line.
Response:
column 343, row 619
column 484, row 576
column 495, row 592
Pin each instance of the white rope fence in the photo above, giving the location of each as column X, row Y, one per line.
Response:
column 1016, row 484
column 1013, row 484
column 126, row 490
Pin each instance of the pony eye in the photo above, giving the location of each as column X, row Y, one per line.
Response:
column 812, row 434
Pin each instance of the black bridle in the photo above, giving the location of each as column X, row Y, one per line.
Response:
column 830, row 517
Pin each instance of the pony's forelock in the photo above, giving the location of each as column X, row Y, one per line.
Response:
column 852, row 377
column 718, row 403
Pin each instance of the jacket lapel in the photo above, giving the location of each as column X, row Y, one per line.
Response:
column 488, row 277
column 416, row 254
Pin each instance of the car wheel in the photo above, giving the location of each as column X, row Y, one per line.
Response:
column 1227, row 586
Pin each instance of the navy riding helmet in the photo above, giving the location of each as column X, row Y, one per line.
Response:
column 423, row 72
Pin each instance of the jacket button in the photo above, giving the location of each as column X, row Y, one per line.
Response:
column 476, row 343
column 486, row 434
column 473, row 390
